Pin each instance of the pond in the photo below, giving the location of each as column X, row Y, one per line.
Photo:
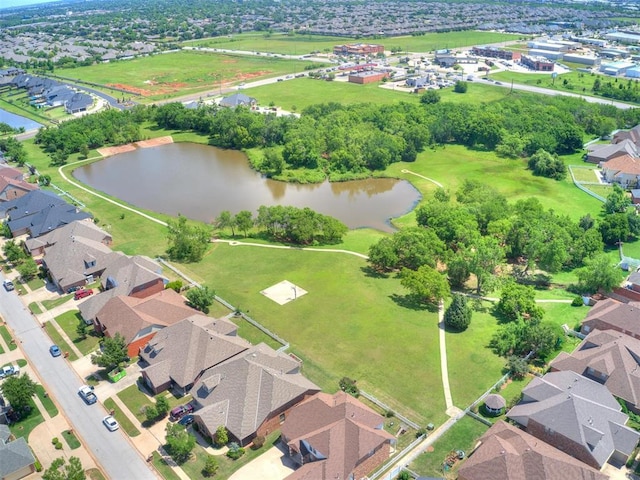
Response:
column 16, row 121
column 199, row 182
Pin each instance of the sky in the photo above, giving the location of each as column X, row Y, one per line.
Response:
column 20, row 3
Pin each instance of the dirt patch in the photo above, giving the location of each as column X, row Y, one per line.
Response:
column 129, row 88
column 154, row 142
column 430, row 449
column 250, row 75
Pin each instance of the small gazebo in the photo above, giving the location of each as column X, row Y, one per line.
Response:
column 495, row 404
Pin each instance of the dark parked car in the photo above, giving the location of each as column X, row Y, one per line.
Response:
column 186, row 420
column 73, row 289
column 180, row 411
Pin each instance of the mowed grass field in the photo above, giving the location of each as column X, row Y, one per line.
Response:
column 299, row 93
column 163, row 76
column 301, row 44
column 349, row 324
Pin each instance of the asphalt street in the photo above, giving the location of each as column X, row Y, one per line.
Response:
column 112, row 450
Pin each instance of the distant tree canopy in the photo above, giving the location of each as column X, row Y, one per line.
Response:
column 350, row 141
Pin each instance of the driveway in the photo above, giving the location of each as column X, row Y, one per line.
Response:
column 271, row 465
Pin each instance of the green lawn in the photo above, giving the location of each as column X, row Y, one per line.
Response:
column 7, row 337
column 452, row 164
column 57, row 339
column 24, row 426
column 163, row 469
column 136, row 400
column 472, row 366
column 193, row 467
column 69, row 321
column 301, row 44
column 575, row 82
column 462, row 436
column 48, row 404
column 35, row 283
column 95, row 474
column 34, row 308
column 56, row 302
column 253, row 334
column 391, row 350
column 164, row 76
column 585, row 175
column 71, row 439
column 121, row 418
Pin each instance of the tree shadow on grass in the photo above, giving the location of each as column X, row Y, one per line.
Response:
column 410, row 302
column 373, row 273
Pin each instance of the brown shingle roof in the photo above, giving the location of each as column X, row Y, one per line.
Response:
column 129, row 315
column 611, row 314
column 340, row 428
column 624, row 164
column 609, row 352
column 508, row 453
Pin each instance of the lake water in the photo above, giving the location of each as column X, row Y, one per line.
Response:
column 16, row 121
column 199, row 182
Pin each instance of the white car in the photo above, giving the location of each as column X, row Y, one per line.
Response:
column 110, row 423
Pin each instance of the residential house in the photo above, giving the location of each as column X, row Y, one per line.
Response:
column 139, row 319
column 136, row 276
column 624, row 170
column 600, row 153
column 180, row 354
column 39, row 212
column 81, row 228
column 335, row 436
column 610, row 314
column 237, row 100
column 11, row 188
column 358, row 49
column 79, row 102
column 578, row 416
column 76, row 261
column 250, row 394
column 508, row 453
column 610, row 358
column 632, row 135
column 16, row 459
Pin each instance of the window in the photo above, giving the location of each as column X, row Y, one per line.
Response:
column 282, row 417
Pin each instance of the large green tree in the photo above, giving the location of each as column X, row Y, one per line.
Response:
column 599, row 274
column 112, row 354
column 59, row 470
column 426, row 284
column 187, row 243
column 18, row 391
column 244, row 221
column 519, row 302
column 200, row 298
column 179, row 442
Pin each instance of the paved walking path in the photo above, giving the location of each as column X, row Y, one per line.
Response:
column 435, row 182
column 443, row 358
column 235, row 243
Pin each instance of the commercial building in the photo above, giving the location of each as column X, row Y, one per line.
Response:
column 548, row 54
column 616, row 68
column 494, row 52
column 623, row 37
column 358, row 49
column 540, row 64
column 367, row 77
column 550, row 46
column 581, row 59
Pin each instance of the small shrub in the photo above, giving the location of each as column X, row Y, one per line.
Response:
column 210, row 466
column 150, row 413
column 389, row 413
column 176, row 285
column 38, row 466
column 55, row 440
column 59, row 446
column 577, row 302
column 348, row 385
column 422, row 431
column 258, row 442
column 235, row 451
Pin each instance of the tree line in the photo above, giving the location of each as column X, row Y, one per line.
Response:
column 350, row 141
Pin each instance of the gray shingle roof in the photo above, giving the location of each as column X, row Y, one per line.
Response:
column 252, row 386
column 577, row 409
column 14, row 456
column 80, row 228
column 611, row 353
column 508, row 453
column 29, row 203
column 236, row 100
column 184, row 350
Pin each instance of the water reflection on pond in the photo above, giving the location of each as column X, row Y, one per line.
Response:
column 200, row 181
